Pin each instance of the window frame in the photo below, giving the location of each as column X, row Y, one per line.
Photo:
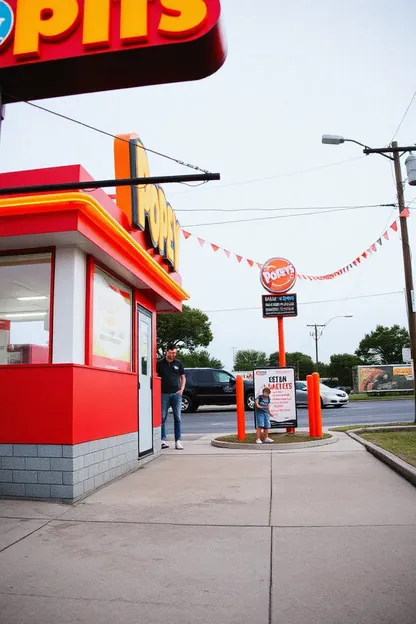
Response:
column 34, row 252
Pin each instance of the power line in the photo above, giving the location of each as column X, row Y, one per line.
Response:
column 394, row 292
column 284, row 208
column 277, row 176
column 290, row 216
column 109, row 134
column 404, row 116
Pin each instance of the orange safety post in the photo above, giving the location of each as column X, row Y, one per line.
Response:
column 318, row 408
column 241, row 415
column 311, row 406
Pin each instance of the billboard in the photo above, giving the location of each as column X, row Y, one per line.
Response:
column 281, row 382
column 384, row 378
column 52, row 48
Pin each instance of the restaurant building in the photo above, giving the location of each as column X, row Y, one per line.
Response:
column 83, row 276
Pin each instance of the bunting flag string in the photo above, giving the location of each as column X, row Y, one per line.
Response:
column 329, row 276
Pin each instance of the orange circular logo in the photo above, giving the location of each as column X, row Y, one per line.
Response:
column 278, row 275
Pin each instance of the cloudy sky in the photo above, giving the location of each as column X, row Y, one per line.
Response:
column 294, row 71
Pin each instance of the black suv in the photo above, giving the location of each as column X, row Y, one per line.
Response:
column 211, row 386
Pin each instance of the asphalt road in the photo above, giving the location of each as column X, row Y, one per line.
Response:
column 222, row 420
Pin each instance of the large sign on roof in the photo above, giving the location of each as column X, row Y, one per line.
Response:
column 51, row 48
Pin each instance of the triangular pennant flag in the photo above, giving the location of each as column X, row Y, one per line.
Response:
column 239, row 258
column 379, row 241
column 394, row 226
column 227, row 253
column 358, row 260
column 355, row 263
column 374, row 247
column 259, row 265
column 386, row 235
column 215, row 247
column 405, row 213
column 250, row 262
column 201, row 241
column 186, row 234
column 364, row 255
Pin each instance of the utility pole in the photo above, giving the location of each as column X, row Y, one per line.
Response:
column 315, row 335
column 407, row 260
column 393, row 152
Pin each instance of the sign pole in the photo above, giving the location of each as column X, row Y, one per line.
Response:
column 282, row 352
column 281, row 335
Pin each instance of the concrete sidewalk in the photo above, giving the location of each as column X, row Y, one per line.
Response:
column 314, row 536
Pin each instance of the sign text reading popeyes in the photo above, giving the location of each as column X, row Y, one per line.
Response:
column 145, row 206
column 77, row 31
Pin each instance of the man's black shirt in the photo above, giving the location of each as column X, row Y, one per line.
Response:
column 170, row 372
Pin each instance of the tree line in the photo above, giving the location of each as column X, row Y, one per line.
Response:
column 191, row 333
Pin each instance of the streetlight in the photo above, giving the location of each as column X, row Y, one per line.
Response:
column 410, row 162
column 318, row 331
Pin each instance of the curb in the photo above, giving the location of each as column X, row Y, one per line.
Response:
column 404, row 469
column 277, row 447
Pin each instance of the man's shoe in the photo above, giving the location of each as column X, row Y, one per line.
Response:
column 178, row 445
column 268, row 441
column 164, row 445
column 258, row 441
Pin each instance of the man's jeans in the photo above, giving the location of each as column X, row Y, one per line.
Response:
column 175, row 402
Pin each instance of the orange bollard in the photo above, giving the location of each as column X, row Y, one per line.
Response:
column 241, row 415
column 318, row 408
column 311, row 406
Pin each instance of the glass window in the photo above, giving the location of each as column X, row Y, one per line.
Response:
column 300, row 385
column 223, row 377
column 204, row 376
column 25, row 282
column 112, row 322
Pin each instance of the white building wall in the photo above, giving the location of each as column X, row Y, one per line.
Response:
column 69, row 306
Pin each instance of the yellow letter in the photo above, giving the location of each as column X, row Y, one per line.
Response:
column 182, row 17
column 163, row 225
column 96, row 31
column 177, row 238
column 170, row 252
column 46, row 19
column 133, row 21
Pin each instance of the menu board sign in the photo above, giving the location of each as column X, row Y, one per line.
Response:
column 281, row 383
column 279, row 305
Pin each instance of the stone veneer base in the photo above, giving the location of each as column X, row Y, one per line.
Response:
column 67, row 473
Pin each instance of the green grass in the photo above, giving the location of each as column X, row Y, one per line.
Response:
column 349, row 427
column 400, row 443
column 366, row 397
column 279, row 438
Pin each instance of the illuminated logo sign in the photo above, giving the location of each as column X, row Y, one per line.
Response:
column 145, row 206
column 278, row 275
column 50, row 48
column 6, row 21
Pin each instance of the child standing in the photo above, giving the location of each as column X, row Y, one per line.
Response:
column 263, row 417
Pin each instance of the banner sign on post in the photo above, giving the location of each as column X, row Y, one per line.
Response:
column 279, row 305
column 281, row 382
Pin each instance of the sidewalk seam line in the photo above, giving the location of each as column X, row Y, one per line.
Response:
column 271, row 577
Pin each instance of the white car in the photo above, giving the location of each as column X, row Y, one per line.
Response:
column 329, row 396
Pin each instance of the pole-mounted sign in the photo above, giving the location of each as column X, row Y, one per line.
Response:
column 278, row 276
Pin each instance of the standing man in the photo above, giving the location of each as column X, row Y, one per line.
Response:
column 173, row 378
